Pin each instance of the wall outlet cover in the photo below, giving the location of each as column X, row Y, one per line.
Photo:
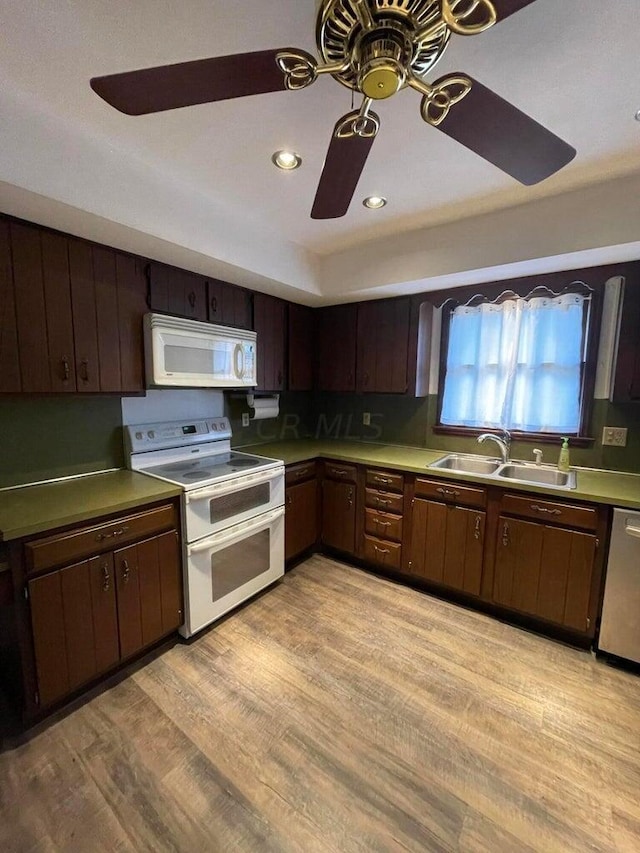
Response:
column 245, row 419
column 614, row 436
column 366, row 418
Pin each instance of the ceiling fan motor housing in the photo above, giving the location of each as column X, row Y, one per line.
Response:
column 382, row 56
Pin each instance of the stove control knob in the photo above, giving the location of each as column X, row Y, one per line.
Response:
column 139, row 436
column 215, row 427
column 151, row 434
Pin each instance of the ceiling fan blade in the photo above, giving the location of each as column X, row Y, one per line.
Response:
column 166, row 87
column 351, row 142
column 496, row 130
column 504, row 8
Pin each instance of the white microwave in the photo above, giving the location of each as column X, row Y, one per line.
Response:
column 191, row 354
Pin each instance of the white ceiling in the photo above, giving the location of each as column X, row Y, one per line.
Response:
column 197, row 183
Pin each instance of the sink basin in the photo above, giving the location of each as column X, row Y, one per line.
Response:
column 544, row 475
column 463, row 463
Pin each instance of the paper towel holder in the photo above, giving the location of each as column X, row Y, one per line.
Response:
column 263, row 405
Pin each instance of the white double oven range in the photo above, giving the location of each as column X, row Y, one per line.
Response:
column 232, row 512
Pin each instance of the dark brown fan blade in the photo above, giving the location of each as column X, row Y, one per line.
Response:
column 504, row 8
column 504, row 135
column 346, row 157
column 166, row 87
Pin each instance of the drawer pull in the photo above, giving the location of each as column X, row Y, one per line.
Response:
column 452, row 493
column 382, row 523
column 340, row 472
column 544, row 509
column 113, row 535
column 380, row 550
column 125, row 571
column 382, row 502
column 106, row 578
column 384, row 480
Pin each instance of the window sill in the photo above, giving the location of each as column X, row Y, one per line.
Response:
column 532, row 437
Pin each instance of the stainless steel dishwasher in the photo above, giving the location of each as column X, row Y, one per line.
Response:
column 620, row 625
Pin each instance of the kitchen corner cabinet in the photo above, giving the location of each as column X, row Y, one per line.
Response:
column 383, row 346
column 269, row 314
column 301, row 509
column 176, row 291
column 301, row 336
column 339, row 507
column 545, row 561
column 70, row 314
column 336, row 347
column 92, row 606
column 447, row 535
column 228, row 305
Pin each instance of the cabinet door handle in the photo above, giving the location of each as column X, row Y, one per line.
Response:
column 125, row 571
column 279, row 378
column 106, row 577
column 289, row 501
column 192, row 299
column 113, row 535
column 449, row 492
column 350, row 497
column 66, row 369
column 366, row 379
column 476, row 530
column 380, row 550
column 84, row 370
column 214, row 304
column 505, row 535
column 544, row 509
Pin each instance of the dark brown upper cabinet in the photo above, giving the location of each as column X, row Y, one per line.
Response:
column 269, row 323
column 70, row 314
column 301, row 347
column 336, row 347
column 383, row 346
column 626, row 382
column 176, row 291
column 228, row 304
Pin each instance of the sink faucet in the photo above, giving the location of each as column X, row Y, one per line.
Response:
column 503, row 443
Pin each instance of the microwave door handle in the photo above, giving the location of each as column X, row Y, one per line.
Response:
column 222, row 489
column 238, row 358
column 632, row 530
column 237, row 535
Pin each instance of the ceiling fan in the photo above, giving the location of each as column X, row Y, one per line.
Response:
column 375, row 48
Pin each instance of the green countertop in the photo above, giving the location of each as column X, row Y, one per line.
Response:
column 607, row 487
column 37, row 509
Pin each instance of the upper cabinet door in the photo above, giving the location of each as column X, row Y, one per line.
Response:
column 57, row 294
column 229, row 305
column 383, row 345
column 336, row 347
column 85, row 321
column 269, row 324
column 626, row 384
column 132, row 306
column 301, row 347
column 104, row 277
column 176, row 291
column 30, row 307
column 9, row 362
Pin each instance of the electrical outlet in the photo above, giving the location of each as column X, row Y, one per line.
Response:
column 366, row 418
column 245, row 419
column 614, row 436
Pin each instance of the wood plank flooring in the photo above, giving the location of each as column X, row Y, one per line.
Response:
column 340, row 712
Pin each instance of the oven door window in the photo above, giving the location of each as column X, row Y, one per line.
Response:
column 236, row 565
column 228, row 506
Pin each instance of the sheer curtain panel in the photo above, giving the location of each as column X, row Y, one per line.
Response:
column 516, row 365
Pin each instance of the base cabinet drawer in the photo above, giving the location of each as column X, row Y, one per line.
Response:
column 382, row 552
column 552, row 512
column 385, row 501
column 386, row 480
column 383, row 525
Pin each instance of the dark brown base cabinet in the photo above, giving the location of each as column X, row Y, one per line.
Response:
column 88, row 616
column 339, row 507
column 302, row 509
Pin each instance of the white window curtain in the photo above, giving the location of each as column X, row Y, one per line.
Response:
column 516, row 365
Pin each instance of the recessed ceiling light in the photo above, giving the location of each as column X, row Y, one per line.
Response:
column 374, row 202
column 637, row 116
column 286, row 160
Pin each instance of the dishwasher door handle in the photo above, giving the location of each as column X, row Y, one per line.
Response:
column 632, row 530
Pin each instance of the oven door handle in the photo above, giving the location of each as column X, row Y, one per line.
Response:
column 236, row 485
column 236, row 533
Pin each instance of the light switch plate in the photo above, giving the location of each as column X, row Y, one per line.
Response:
column 614, row 436
column 366, row 418
column 245, row 419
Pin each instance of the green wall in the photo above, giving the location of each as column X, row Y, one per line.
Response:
column 46, row 437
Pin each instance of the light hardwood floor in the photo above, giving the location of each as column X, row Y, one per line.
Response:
column 340, row 712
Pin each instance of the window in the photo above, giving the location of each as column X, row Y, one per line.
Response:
column 517, row 365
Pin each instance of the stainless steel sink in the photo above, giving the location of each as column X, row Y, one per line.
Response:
column 542, row 474
column 463, row 463
column 512, row 472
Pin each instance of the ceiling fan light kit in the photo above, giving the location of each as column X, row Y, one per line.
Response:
column 376, row 48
